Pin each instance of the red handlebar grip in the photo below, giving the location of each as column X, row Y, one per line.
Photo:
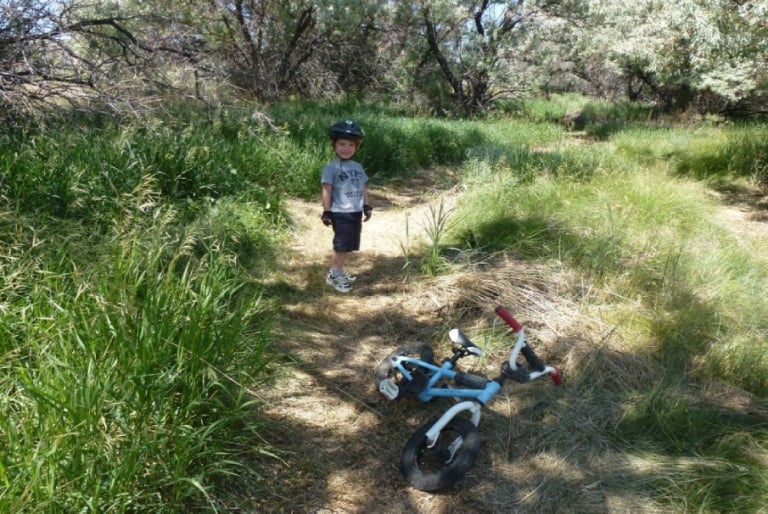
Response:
column 556, row 378
column 512, row 322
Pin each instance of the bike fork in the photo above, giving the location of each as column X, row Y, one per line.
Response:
column 434, row 431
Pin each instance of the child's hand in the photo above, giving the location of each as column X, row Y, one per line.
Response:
column 367, row 211
column 327, row 218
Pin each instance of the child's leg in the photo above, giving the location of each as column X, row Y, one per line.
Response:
column 338, row 260
column 346, row 239
column 336, row 277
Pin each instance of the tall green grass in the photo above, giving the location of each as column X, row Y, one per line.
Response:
column 597, row 118
column 82, row 173
column 127, row 362
column 709, row 153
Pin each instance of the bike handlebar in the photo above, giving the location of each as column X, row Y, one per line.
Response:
column 537, row 365
column 506, row 316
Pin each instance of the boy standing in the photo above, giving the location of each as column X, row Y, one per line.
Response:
column 345, row 200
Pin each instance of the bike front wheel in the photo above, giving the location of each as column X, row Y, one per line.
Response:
column 447, row 461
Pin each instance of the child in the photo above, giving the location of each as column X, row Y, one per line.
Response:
column 345, row 200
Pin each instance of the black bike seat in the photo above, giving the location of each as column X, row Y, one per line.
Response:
column 458, row 337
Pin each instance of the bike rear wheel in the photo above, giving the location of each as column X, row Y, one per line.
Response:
column 453, row 454
column 413, row 387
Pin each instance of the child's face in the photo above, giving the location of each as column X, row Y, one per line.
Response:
column 345, row 148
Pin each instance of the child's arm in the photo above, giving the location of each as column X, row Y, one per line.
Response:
column 327, row 196
column 327, row 215
column 367, row 209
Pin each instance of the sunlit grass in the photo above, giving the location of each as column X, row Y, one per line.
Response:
column 126, row 363
column 712, row 154
column 640, row 233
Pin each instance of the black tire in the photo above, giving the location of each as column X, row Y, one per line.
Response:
column 426, row 469
column 407, row 387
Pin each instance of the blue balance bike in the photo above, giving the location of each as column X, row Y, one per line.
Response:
column 441, row 452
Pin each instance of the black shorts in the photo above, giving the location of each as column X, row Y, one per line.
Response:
column 347, row 227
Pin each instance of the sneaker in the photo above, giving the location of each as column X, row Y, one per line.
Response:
column 350, row 278
column 340, row 283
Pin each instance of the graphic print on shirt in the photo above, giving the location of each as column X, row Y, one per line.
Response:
column 350, row 184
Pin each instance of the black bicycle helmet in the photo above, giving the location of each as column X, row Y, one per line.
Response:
column 346, row 129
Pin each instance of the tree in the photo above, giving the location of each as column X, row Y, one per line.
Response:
column 273, row 48
column 460, row 54
column 680, row 51
column 468, row 42
column 477, row 51
column 52, row 53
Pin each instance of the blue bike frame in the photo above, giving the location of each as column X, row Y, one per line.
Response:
column 474, row 397
column 446, row 371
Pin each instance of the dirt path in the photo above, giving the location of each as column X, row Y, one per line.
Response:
column 339, row 440
column 744, row 211
column 335, row 427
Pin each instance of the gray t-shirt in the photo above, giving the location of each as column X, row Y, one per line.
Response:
column 347, row 179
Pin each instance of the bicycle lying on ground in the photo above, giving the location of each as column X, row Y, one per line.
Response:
column 442, row 451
